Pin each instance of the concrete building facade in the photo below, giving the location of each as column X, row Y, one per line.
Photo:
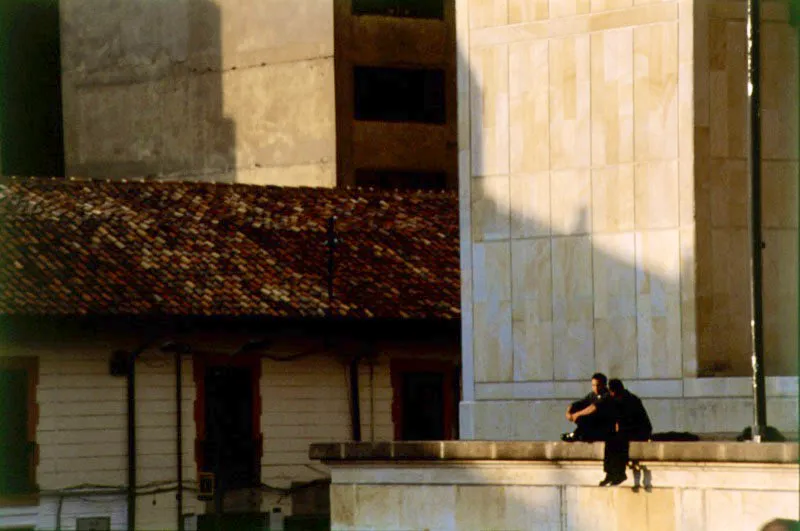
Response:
column 258, row 92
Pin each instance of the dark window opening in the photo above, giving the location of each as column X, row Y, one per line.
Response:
column 401, row 179
column 425, row 400
column 231, row 445
column 400, row 8
column 17, row 450
column 423, row 406
column 399, row 95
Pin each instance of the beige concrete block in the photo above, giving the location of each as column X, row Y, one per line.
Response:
column 489, row 110
column 747, row 510
column 729, row 193
column 493, row 351
column 428, row 507
column 343, row 506
column 780, row 181
column 612, row 97
column 657, row 195
column 532, row 310
column 488, row 13
column 566, row 8
column 591, row 509
column 479, row 507
column 608, row 5
column 614, row 281
column 780, row 261
column 692, row 514
column 780, row 108
column 317, row 175
column 613, row 199
column 490, row 208
column 570, row 202
column 658, row 303
column 570, row 97
column 572, row 306
column 536, row 508
column 530, row 120
column 520, row 11
column 530, row 205
column 655, row 49
column 379, row 505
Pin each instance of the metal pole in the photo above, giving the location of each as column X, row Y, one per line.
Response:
column 179, row 434
column 132, row 441
column 756, row 303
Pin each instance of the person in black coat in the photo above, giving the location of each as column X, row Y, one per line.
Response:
column 631, row 423
column 591, row 414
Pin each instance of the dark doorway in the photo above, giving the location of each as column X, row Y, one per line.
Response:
column 423, row 407
column 230, row 447
column 425, row 400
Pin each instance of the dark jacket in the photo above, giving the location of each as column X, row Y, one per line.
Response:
column 629, row 412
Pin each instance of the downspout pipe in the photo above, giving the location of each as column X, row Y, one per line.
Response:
column 179, row 437
column 355, row 400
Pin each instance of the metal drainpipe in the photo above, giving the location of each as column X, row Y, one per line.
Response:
column 756, row 241
column 132, row 441
column 355, row 410
column 179, row 434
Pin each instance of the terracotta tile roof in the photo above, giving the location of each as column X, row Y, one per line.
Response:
column 154, row 248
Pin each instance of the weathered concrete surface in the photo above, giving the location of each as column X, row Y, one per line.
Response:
column 522, row 486
column 690, row 452
column 228, row 91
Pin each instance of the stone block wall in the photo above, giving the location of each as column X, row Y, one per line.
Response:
column 583, row 222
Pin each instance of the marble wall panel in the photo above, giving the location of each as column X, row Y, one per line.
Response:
column 532, row 311
column 530, row 205
column 572, row 307
column 571, row 202
column 489, row 104
column 530, row 118
column 655, row 94
column 490, row 208
column 520, row 11
column 657, row 195
column 614, row 276
column 570, row 98
column 613, row 199
column 658, row 304
column 612, row 97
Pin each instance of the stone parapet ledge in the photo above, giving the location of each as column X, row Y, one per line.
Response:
column 690, row 452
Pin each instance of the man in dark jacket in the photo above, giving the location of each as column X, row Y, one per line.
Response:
column 591, row 414
column 631, row 423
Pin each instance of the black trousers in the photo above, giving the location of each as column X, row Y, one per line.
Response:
column 595, row 427
column 617, row 451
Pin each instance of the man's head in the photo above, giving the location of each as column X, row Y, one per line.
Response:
column 615, row 387
column 599, row 381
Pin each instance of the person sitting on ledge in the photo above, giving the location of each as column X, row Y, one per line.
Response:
column 593, row 418
column 631, row 423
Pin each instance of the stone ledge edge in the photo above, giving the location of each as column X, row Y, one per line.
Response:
column 694, row 452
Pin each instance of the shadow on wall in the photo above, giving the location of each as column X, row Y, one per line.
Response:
column 145, row 77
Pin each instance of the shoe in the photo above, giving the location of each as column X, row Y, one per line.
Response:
column 617, row 480
column 606, row 481
column 569, row 437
